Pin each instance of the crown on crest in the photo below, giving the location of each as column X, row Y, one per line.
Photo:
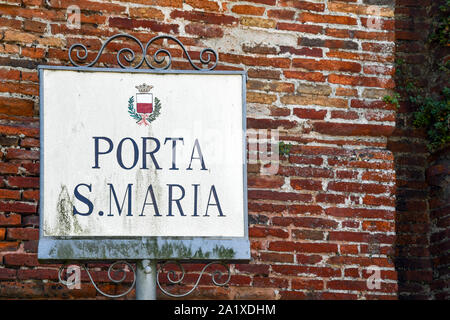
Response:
column 144, row 88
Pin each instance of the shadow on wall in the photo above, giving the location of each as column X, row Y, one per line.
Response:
column 422, row 217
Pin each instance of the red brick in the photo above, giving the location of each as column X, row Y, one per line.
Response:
column 248, row 10
column 270, row 282
column 276, row 257
column 7, row 274
column 281, row 14
column 305, row 160
column 205, row 17
column 303, row 5
column 270, row 124
column 348, row 115
column 155, row 26
column 260, row 232
column 278, row 195
column 372, row 105
column 378, row 176
column 307, row 284
column 9, row 194
column 41, row 274
column 31, row 168
column 10, row 220
column 304, row 28
column 331, row 65
column 204, row 30
column 294, row 270
column 23, row 234
column 21, row 207
column 379, row 201
column 352, row 129
column 23, row 182
column 304, row 184
column 305, row 172
column 362, row 81
column 302, row 51
column 16, row 107
column 361, row 56
column 305, row 209
column 270, row 182
column 293, row 295
column 8, row 246
column 29, row 143
column 310, row 114
column 9, row 168
column 358, row 187
column 318, row 18
column 264, row 74
column 20, row 259
column 305, row 234
column 310, row 76
column 22, row 154
column 330, row 198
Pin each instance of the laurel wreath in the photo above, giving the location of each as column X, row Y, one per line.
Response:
column 137, row 116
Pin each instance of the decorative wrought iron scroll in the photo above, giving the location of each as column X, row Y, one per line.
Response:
column 171, row 277
column 110, row 269
column 159, row 57
column 172, row 280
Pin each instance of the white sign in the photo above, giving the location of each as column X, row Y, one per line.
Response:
column 140, row 154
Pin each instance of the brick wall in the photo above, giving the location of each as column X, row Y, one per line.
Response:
column 318, row 71
column 422, row 226
column 438, row 177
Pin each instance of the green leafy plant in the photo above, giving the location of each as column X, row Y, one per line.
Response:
column 433, row 108
column 284, row 149
column 394, row 99
column 434, row 116
column 441, row 25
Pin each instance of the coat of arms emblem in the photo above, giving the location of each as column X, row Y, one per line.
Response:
column 147, row 107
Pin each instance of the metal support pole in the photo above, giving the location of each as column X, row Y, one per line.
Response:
column 146, row 280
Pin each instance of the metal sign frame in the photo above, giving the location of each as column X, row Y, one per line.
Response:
column 146, row 251
column 52, row 249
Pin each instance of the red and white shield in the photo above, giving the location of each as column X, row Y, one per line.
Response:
column 144, row 103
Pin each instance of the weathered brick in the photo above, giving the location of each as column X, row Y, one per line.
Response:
column 147, row 12
column 305, row 28
column 10, row 220
column 281, row 14
column 23, row 234
column 21, row 207
column 9, row 194
column 271, row 182
column 248, row 10
column 204, row 30
column 314, row 100
column 257, row 22
column 346, row 129
column 205, row 17
column 23, row 182
column 22, row 154
column 310, row 113
column 303, row 5
column 310, row 76
column 303, row 184
column 125, row 23
column 328, row 19
column 331, row 65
